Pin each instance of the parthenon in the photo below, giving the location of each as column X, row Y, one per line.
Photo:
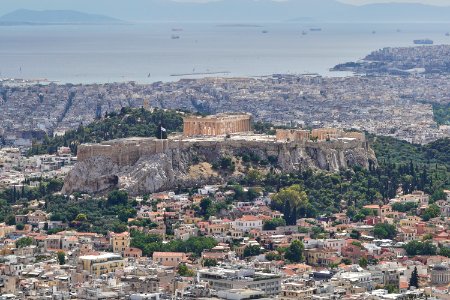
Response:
column 221, row 124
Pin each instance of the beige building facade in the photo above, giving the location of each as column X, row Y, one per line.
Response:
column 120, row 242
column 101, row 263
column 169, row 259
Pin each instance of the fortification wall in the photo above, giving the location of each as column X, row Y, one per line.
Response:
column 143, row 165
column 124, row 152
column 320, row 134
column 127, row 152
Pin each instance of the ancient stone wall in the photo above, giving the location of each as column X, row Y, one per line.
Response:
column 123, row 152
column 320, row 134
column 143, row 165
column 326, row 133
column 292, row 135
column 360, row 136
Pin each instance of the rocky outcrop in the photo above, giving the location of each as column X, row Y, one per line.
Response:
column 145, row 165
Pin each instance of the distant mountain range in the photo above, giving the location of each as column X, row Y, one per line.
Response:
column 221, row 11
column 49, row 17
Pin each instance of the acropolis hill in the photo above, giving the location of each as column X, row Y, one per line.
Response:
column 145, row 165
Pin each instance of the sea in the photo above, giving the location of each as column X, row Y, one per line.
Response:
column 151, row 52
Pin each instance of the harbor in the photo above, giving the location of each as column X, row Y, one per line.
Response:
column 201, row 73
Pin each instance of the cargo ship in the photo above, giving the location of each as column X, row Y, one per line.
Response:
column 423, row 42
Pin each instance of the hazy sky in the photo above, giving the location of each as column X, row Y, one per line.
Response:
column 430, row 2
column 8, row 5
column 138, row 10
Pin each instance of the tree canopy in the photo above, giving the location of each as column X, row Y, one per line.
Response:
column 384, row 231
column 420, row 248
column 430, row 212
column 24, row 242
column 61, row 257
column 154, row 243
column 252, row 250
column 293, row 201
column 118, row 197
column 414, row 280
column 273, row 224
column 129, row 122
column 294, row 252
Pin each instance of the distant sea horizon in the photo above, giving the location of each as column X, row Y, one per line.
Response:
column 151, row 52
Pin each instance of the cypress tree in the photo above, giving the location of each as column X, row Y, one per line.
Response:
column 293, row 217
column 414, row 280
column 287, row 212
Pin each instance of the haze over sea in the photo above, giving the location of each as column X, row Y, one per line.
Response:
column 146, row 52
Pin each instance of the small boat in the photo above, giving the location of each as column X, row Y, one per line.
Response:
column 264, row 31
column 175, row 37
column 315, row 29
column 374, row 32
column 447, row 34
column 177, row 29
column 304, row 32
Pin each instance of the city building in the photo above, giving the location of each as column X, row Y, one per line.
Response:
column 233, row 278
column 171, row 259
column 120, row 241
column 440, row 275
column 102, row 263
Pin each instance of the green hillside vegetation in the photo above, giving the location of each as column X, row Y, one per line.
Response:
column 306, row 193
column 128, row 122
column 401, row 164
column 388, row 149
column 433, row 158
column 150, row 243
column 24, row 194
column 328, row 193
column 441, row 113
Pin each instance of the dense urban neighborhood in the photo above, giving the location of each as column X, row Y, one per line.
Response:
column 402, row 61
column 222, row 242
column 376, row 231
column 283, row 187
column 405, row 107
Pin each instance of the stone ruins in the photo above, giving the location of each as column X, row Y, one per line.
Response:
column 221, row 124
column 320, row 134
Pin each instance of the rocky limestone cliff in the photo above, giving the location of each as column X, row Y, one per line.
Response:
column 146, row 165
